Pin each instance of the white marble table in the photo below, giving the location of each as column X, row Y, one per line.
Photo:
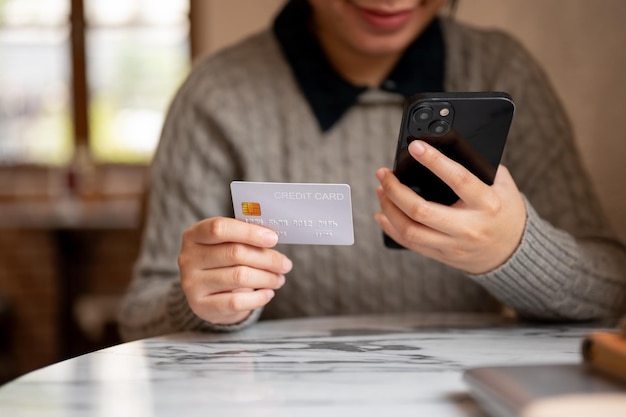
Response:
column 351, row 366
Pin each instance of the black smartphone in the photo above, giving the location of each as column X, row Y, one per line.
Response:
column 469, row 127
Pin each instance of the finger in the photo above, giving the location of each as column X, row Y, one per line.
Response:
column 222, row 229
column 238, row 277
column 229, row 303
column 466, row 185
column 426, row 250
column 411, row 232
column 412, row 205
column 394, row 216
column 231, row 254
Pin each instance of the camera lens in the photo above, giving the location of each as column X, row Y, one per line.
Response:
column 439, row 127
column 423, row 114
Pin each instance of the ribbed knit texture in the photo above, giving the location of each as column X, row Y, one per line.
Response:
column 240, row 115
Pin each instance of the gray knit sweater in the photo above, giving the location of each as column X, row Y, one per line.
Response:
column 241, row 115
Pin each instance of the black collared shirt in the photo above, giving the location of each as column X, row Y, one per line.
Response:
column 421, row 69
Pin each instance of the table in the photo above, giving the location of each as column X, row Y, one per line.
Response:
column 400, row 365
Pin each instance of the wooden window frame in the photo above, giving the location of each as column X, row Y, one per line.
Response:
column 80, row 90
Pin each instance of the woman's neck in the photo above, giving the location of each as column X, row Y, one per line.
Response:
column 359, row 69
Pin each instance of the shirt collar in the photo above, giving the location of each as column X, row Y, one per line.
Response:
column 421, row 68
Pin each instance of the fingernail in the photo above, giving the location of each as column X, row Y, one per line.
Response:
column 418, row 147
column 281, row 280
column 269, row 238
column 287, row 264
column 270, row 294
column 380, row 174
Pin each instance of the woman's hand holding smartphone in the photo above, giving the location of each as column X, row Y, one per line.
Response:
column 447, row 198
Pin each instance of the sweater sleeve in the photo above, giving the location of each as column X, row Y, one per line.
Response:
column 193, row 151
column 569, row 265
column 556, row 276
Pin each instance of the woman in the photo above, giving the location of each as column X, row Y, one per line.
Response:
column 318, row 98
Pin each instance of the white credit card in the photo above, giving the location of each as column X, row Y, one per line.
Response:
column 301, row 213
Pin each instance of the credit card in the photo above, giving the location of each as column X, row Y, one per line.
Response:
column 300, row 213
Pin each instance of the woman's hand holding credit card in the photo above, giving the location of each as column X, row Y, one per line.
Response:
column 229, row 267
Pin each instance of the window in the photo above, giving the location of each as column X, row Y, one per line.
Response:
column 35, row 125
column 137, row 56
column 119, row 61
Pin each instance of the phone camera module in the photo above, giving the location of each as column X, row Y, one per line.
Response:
column 430, row 117
column 439, row 127
column 423, row 114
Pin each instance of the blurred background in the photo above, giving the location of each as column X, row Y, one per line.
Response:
column 84, row 87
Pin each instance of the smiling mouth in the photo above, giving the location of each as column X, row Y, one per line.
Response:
column 384, row 19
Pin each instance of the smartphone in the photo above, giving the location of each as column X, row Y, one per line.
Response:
column 469, row 127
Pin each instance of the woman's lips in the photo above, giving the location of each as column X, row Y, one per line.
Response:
column 386, row 21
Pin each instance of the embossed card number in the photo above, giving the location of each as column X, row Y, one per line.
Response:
column 300, row 213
